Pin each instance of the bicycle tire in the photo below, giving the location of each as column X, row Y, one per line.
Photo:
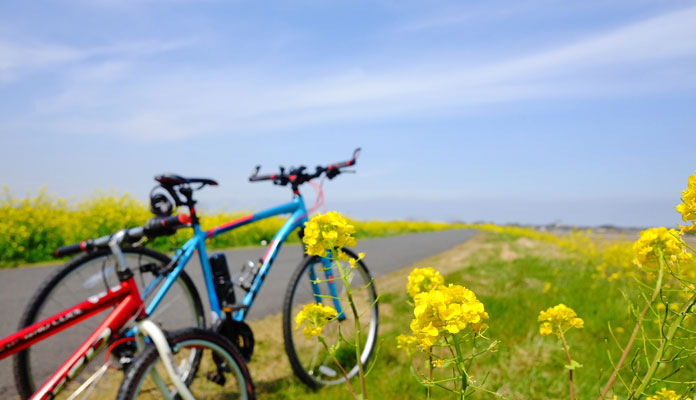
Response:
column 315, row 368
column 139, row 384
column 32, row 366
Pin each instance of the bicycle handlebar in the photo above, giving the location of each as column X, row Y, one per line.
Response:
column 297, row 176
column 164, row 226
column 154, row 227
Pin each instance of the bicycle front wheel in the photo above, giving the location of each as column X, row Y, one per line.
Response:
column 221, row 373
column 308, row 358
column 82, row 277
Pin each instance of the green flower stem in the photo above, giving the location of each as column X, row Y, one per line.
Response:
column 428, row 394
column 455, row 358
column 350, row 387
column 570, row 362
column 632, row 339
column 487, row 391
column 460, row 367
column 664, row 343
column 356, row 316
column 443, row 387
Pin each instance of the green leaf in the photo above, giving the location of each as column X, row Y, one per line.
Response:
column 573, row 365
column 334, row 348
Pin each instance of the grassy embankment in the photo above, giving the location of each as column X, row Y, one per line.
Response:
column 515, row 277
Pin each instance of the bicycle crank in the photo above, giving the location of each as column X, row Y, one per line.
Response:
column 239, row 333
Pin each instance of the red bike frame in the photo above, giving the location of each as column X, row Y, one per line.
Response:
column 125, row 297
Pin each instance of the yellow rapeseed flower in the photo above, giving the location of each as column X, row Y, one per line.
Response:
column 407, row 343
column 354, row 261
column 444, row 311
column 328, row 232
column 558, row 319
column 664, row 394
column 423, row 280
column 547, row 287
column 687, row 208
column 653, row 240
column 314, row 316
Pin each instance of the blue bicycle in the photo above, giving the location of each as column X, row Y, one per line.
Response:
column 170, row 298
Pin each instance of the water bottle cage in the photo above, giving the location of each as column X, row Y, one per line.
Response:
column 246, row 276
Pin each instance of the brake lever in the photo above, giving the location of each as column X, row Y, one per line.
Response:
column 356, row 153
column 255, row 171
column 332, row 173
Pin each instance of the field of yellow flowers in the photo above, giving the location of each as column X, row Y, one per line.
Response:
column 32, row 227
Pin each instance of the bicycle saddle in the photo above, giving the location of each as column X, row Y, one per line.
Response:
column 174, row 180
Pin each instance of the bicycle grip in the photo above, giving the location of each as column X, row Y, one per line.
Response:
column 261, row 178
column 73, row 248
column 256, row 177
column 163, row 226
column 344, row 164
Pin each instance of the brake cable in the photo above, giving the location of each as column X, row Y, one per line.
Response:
column 319, row 188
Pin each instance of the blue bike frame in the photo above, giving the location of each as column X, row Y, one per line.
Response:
column 298, row 218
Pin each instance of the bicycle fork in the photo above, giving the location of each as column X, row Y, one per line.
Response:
column 147, row 328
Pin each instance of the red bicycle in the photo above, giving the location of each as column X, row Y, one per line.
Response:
column 224, row 366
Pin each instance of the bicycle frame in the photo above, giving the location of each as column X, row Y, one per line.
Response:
column 298, row 218
column 125, row 297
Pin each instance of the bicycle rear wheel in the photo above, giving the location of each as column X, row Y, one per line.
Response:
column 308, row 358
column 221, row 374
column 82, row 277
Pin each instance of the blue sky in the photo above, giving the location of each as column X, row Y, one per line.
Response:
column 522, row 111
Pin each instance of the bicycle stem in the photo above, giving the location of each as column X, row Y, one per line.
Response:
column 115, row 246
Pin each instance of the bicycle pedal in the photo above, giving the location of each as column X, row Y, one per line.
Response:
column 125, row 353
column 233, row 307
column 125, row 362
column 216, row 378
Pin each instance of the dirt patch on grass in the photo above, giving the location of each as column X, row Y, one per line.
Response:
column 269, row 362
column 507, row 254
column 526, row 243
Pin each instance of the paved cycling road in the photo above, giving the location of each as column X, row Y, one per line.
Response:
column 383, row 255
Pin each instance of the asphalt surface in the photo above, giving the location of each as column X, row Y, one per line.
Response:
column 383, row 255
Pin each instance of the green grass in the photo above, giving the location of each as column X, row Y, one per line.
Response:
column 509, row 276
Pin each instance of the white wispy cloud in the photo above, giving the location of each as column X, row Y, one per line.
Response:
column 648, row 56
column 18, row 58
column 21, row 58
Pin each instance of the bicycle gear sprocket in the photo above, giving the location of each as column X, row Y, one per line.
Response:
column 240, row 334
